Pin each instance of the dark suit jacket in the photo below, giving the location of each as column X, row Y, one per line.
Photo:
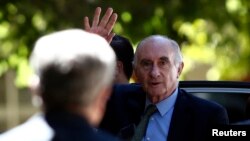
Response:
column 192, row 117
column 70, row 127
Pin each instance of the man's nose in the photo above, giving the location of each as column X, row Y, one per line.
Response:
column 155, row 71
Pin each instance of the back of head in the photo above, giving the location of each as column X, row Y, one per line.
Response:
column 124, row 53
column 72, row 66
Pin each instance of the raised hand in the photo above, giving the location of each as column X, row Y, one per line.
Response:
column 105, row 26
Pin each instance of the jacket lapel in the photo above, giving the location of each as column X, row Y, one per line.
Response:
column 133, row 109
column 181, row 122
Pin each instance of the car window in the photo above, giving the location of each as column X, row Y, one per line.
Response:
column 235, row 103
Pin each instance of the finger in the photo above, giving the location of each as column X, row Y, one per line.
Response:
column 102, row 32
column 110, row 37
column 111, row 23
column 106, row 17
column 96, row 16
column 86, row 24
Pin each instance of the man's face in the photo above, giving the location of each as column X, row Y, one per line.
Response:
column 156, row 69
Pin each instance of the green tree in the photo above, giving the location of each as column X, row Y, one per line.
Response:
column 211, row 32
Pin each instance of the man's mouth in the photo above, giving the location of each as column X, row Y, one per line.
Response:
column 154, row 83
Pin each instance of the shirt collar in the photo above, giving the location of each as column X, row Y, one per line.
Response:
column 165, row 105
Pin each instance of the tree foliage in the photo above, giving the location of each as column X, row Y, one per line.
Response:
column 211, row 32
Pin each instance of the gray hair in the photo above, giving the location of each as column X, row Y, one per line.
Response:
column 178, row 55
column 73, row 66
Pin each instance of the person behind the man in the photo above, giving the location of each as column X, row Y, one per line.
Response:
column 124, row 57
column 73, row 77
column 174, row 115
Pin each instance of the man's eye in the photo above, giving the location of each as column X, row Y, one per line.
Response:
column 163, row 64
column 146, row 65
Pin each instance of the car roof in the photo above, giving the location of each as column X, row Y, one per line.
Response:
column 216, row 86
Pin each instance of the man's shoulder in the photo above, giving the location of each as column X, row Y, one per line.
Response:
column 204, row 108
column 105, row 136
column 68, row 126
column 83, row 135
column 200, row 102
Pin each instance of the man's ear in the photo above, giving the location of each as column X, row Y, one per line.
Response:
column 119, row 66
column 180, row 68
column 99, row 105
column 103, row 97
column 34, row 86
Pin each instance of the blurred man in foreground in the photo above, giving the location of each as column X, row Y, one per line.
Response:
column 73, row 76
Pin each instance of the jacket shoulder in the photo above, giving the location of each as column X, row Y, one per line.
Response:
column 200, row 102
column 205, row 108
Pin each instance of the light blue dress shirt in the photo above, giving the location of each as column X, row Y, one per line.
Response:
column 159, row 122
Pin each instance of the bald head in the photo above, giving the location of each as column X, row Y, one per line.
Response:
column 161, row 41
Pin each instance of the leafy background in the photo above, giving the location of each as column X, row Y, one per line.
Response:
column 214, row 35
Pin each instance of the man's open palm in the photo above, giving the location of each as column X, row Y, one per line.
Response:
column 103, row 27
